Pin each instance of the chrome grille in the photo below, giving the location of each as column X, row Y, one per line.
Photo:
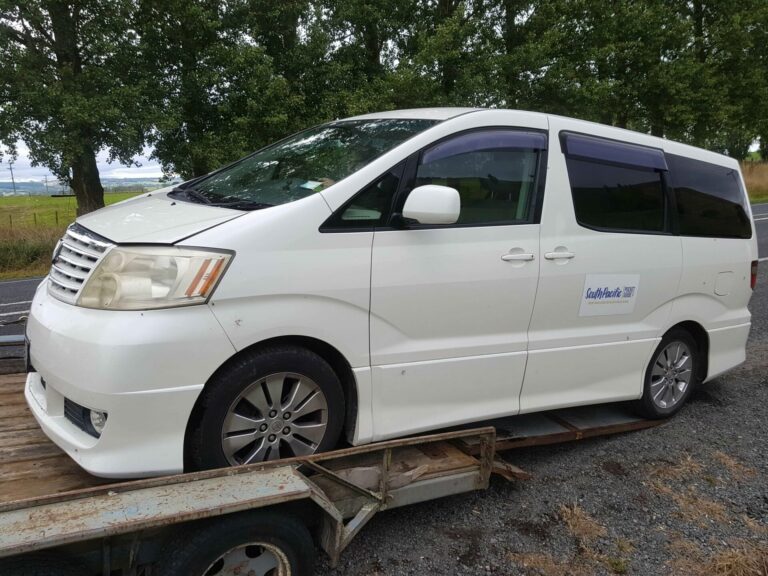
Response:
column 75, row 258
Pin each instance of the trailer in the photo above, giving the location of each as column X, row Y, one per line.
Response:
column 261, row 519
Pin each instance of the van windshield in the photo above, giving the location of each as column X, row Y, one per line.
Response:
column 301, row 164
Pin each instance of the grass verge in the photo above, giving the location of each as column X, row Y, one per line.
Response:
column 756, row 179
column 30, row 226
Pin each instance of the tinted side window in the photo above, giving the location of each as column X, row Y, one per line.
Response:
column 370, row 207
column 611, row 197
column 494, row 172
column 710, row 201
column 617, row 197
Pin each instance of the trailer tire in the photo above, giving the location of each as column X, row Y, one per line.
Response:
column 41, row 564
column 258, row 537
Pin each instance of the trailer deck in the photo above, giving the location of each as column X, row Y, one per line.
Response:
column 48, row 502
column 31, row 466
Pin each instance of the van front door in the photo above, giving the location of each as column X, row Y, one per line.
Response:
column 609, row 273
column 450, row 304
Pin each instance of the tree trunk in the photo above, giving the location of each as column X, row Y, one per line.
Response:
column 450, row 72
column 85, row 174
column 86, row 183
column 513, row 40
column 372, row 47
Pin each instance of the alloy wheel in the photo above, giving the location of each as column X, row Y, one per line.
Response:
column 278, row 416
column 671, row 374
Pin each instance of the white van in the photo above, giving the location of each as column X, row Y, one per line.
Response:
column 385, row 275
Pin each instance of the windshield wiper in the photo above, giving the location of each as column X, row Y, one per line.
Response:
column 237, row 204
column 241, row 205
column 194, row 194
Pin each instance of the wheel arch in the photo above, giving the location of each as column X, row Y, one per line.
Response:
column 326, row 351
column 700, row 336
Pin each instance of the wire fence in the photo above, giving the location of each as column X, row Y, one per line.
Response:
column 41, row 212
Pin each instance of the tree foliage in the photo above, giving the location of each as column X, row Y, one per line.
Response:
column 70, row 86
column 205, row 81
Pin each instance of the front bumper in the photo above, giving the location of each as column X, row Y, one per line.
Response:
column 145, row 369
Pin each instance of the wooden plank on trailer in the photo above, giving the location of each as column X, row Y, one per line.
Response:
column 21, row 437
column 51, row 475
column 408, row 465
column 598, row 416
column 12, row 382
column 14, row 410
column 566, row 425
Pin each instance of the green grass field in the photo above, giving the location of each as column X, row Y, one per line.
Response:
column 30, row 227
column 44, row 211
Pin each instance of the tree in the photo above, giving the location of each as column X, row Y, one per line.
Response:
column 214, row 91
column 69, row 87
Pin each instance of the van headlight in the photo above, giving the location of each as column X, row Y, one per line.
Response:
column 144, row 277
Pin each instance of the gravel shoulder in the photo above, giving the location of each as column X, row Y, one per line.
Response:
column 688, row 497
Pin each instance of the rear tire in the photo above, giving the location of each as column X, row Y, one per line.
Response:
column 261, row 542
column 670, row 375
column 270, row 404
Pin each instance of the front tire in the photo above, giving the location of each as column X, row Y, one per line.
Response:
column 670, row 375
column 270, row 404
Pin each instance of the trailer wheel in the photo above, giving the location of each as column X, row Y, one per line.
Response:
column 260, row 543
column 41, row 564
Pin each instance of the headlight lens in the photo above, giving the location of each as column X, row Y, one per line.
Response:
column 144, row 277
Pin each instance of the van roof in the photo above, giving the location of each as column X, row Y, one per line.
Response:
column 447, row 112
column 443, row 113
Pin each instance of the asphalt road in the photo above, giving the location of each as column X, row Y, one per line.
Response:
column 760, row 214
column 15, row 298
column 15, row 295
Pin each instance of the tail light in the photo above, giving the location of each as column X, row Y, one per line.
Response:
column 753, row 280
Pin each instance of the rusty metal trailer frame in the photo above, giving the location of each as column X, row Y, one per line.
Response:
column 328, row 480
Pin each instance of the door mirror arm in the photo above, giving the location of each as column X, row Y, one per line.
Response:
column 401, row 222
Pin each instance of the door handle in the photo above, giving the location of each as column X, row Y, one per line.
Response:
column 559, row 255
column 513, row 257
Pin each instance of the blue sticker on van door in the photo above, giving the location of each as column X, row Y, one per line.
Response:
column 609, row 294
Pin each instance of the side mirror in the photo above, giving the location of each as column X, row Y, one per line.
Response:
column 433, row 204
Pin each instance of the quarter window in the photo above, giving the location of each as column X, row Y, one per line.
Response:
column 371, row 207
column 616, row 186
column 710, row 200
column 494, row 172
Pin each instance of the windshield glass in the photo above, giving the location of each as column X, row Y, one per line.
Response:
column 302, row 164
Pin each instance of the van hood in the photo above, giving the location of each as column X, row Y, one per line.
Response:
column 155, row 218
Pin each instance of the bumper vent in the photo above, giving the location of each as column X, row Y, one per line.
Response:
column 75, row 257
column 79, row 416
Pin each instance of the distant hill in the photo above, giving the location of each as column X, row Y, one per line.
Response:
column 38, row 188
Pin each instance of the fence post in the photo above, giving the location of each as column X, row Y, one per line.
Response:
column 34, row 217
column 57, row 217
column 10, row 221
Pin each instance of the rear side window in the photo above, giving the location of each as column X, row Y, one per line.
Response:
column 616, row 186
column 710, row 200
column 494, row 171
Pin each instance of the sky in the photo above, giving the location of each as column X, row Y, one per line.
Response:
column 23, row 171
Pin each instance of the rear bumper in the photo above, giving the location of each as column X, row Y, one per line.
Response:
column 727, row 348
